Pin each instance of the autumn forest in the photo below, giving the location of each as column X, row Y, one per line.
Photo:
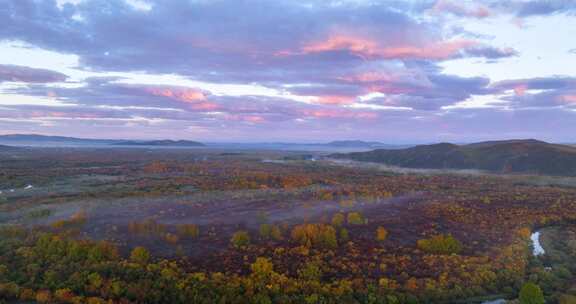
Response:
column 202, row 226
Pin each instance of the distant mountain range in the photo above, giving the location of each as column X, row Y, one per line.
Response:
column 360, row 143
column 166, row 143
column 57, row 141
column 7, row 148
column 54, row 139
column 509, row 156
column 34, row 139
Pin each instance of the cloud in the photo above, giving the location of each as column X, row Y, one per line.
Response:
column 545, row 7
column 16, row 73
column 233, row 41
column 461, row 9
column 542, row 92
column 318, row 68
column 369, row 48
column 541, row 83
column 491, row 52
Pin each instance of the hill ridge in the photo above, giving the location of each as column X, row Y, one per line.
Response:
column 508, row 156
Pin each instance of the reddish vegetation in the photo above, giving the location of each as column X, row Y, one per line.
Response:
column 351, row 231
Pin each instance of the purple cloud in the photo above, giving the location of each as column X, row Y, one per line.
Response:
column 364, row 69
column 15, row 73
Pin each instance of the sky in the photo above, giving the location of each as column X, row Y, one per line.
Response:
column 412, row 71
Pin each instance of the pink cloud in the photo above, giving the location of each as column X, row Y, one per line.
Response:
column 369, row 48
column 181, row 94
column 196, row 98
column 204, row 105
column 329, row 113
column 520, row 90
column 370, row 77
column 568, row 99
column 356, row 45
column 247, row 118
column 441, row 50
column 389, row 88
column 335, row 100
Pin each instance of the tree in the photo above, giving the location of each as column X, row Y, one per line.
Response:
column 240, row 239
column 262, row 267
column 440, row 244
column 381, row 234
column 567, row 299
column 311, row 271
column 531, row 294
column 355, row 218
column 338, row 219
column 140, row 255
column 64, row 295
column 344, row 234
column 265, row 231
column 276, row 233
column 43, row 296
column 317, row 235
column 189, row 230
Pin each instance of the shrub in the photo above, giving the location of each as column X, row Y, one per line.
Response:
column 171, row 238
column 140, row 255
column 276, row 233
column 311, row 271
column 338, row 219
column 265, row 231
column 240, row 239
column 344, row 235
column 27, row 294
column 43, row 296
column 381, row 234
column 189, row 230
column 64, row 295
column 355, row 218
column 440, row 244
column 76, row 220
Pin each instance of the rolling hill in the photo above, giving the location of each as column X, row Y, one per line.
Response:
column 509, row 156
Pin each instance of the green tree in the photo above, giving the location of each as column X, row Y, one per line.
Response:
column 338, row 219
column 531, row 294
column 311, row 271
column 240, row 239
column 265, row 231
column 355, row 218
column 440, row 244
column 276, row 233
column 140, row 255
column 317, row 235
column 344, row 235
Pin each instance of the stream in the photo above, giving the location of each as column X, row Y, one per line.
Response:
column 537, row 247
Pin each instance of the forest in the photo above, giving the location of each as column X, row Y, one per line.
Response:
column 209, row 226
